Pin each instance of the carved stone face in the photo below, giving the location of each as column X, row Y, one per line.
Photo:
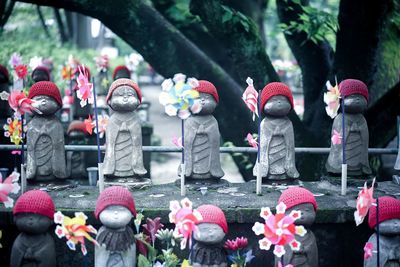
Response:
column 355, row 104
column 115, row 216
column 123, row 73
column 277, row 106
column 124, row 99
column 390, row 227
column 32, row 223
column 208, row 104
column 307, row 214
column 209, row 233
column 40, row 76
column 46, row 104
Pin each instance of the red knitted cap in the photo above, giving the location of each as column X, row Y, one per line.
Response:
column 115, row 195
column 208, row 88
column 118, row 68
column 35, row 201
column 389, row 208
column 294, row 196
column 213, row 214
column 5, row 72
column 43, row 69
column 273, row 89
column 45, row 88
column 122, row 82
column 77, row 126
column 352, row 87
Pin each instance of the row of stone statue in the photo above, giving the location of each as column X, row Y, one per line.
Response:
column 115, row 207
column 124, row 156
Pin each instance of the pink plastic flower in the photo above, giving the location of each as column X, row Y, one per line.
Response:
column 85, row 88
column 332, row 100
column 252, row 141
column 21, row 71
column 365, row 200
column 103, row 122
column 368, row 250
column 177, row 141
column 9, row 185
column 20, row 103
column 336, row 138
column 250, row 97
column 236, row 244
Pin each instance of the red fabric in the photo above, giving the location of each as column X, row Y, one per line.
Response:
column 213, row 214
column 294, row 196
column 42, row 68
column 77, row 126
column 118, row 68
column 352, row 87
column 45, row 88
column 115, row 195
column 35, row 201
column 389, row 208
column 208, row 88
column 5, row 72
column 273, row 89
column 123, row 82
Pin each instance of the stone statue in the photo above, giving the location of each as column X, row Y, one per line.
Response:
column 389, row 229
column 76, row 160
column 297, row 198
column 115, row 208
column 208, row 250
column 34, row 246
column 277, row 157
column 355, row 94
column 202, row 138
column 124, row 155
column 40, row 73
column 121, row 71
column 45, row 135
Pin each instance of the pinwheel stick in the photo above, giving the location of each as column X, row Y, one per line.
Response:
column 23, row 172
column 344, row 165
column 99, row 164
column 259, row 178
column 183, row 191
column 377, row 232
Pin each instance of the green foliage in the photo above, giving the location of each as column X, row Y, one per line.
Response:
column 180, row 13
column 232, row 16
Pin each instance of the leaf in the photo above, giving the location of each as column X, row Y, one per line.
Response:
column 143, row 262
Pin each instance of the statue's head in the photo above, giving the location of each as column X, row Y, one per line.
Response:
column 213, row 227
column 276, row 99
column 389, row 216
column 121, row 71
column 33, row 212
column 4, row 75
column 115, row 207
column 208, row 97
column 40, row 73
column 301, row 199
column 47, row 97
column 77, row 132
column 124, row 95
column 355, row 94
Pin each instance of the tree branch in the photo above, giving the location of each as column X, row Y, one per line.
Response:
column 5, row 11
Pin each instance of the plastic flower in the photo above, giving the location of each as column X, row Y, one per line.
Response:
column 66, row 73
column 103, row 122
column 13, row 130
column 177, row 141
column 279, row 229
column 102, row 63
column 89, row 125
column 250, row 97
column 74, row 230
column 185, row 219
column 15, row 60
column 9, row 185
column 151, row 228
column 251, row 140
column 20, row 103
column 332, row 100
column 4, row 95
column 368, row 250
column 85, row 89
column 365, row 200
column 21, row 71
column 180, row 98
column 238, row 243
column 35, row 62
column 336, row 138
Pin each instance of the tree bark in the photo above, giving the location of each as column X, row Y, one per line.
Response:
column 60, row 25
column 5, row 11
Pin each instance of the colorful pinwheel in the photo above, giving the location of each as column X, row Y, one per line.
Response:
column 84, row 89
column 250, row 97
column 103, row 122
column 336, row 138
column 365, row 200
column 74, row 230
column 279, row 229
column 13, row 130
column 9, row 185
column 89, row 125
column 20, row 103
column 368, row 250
column 177, row 141
column 251, row 140
column 332, row 100
column 180, row 98
column 185, row 219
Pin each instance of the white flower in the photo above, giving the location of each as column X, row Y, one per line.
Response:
column 58, row 217
column 258, row 228
column 4, row 95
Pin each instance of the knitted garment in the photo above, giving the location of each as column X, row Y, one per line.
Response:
column 116, row 240
column 294, row 196
column 208, row 88
column 35, row 201
column 45, row 88
column 352, row 87
column 208, row 254
column 273, row 89
column 42, row 69
column 389, row 208
column 124, row 82
column 120, row 68
column 213, row 214
column 77, row 126
column 5, row 72
column 115, row 195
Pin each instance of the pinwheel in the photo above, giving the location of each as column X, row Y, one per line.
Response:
column 336, row 138
column 368, row 250
column 103, row 122
column 250, row 97
column 74, row 230
column 20, row 103
column 9, row 185
column 365, row 200
column 251, row 140
column 84, row 89
column 177, row 141
column 185, row 219
column 279, row 229
column 13, row 130
column 89, row 125
column 332, row 100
